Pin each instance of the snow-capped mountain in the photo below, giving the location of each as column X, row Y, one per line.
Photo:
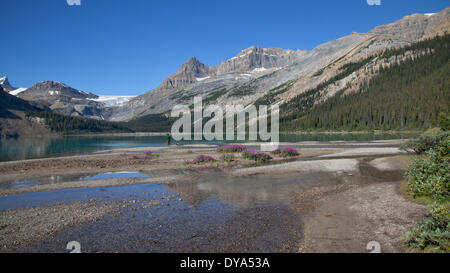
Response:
column 4, row 83
column 253, row 75
column 64, row 99
column 257, row 72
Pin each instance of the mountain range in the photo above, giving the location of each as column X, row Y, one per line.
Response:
column 255, row 75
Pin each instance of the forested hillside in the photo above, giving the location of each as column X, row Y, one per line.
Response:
column 150, row 123
column 9, row 102
column 408, row 89
column 407, row 94
column 70, row 125
column 73, row 125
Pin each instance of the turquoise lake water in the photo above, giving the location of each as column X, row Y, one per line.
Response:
column 17, row 149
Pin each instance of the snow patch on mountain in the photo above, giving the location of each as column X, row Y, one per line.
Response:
column 110, row 101
column 260, row 69
column 202, row 79
column 17, row 91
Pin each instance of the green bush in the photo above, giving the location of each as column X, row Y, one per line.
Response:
column 286, row 151
column 429, row 175
column 425, row 142
column 227, row 158
column 426, row 235
column 256, row 156
column 444, row 121
column 440, row 214
column 433, row 233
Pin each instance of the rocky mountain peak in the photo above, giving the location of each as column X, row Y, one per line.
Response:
column 49, row 85
column 192, row 61
column 52, row 90
column 188, row 74
column 4, row 82
column 195, row 67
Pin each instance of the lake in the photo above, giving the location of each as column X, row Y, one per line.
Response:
column 28, row 148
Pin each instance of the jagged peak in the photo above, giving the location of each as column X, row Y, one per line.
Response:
column 4, row 80
column 52, row 84
column 192, row 62
column 193, row 66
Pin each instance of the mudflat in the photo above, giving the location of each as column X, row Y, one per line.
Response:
column 334, row 197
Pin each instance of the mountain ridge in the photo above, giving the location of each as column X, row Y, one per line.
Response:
column 238, row 75
column 254, row 74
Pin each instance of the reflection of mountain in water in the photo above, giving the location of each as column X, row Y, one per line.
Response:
column 246, row 191
column 11, row 149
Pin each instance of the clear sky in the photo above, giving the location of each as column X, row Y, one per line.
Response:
column 127, row 47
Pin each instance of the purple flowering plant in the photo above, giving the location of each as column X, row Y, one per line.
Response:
column 227, row 158
column 256, row 156
column 286, row 151
column 203, row 159
column 233, row 148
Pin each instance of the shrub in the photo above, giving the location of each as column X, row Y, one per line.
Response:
column 431, row 233
column 444, row 121
column 148, row 153
column 256, row 156
column 286, row 151
column 203, row 159
column 429, row 175
column 440, row 214
column 426, row 234
column 227, row 158
column 425, row 142
column 234, row 148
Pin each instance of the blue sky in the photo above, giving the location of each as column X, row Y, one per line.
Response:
column 127, row 47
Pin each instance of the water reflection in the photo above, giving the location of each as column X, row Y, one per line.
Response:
column 237, row 191
column 26, row 148
column 247, row 191
column 52, row 179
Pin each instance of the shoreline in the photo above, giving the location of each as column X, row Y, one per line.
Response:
column 388, row 142
column 378, row 132
column 336, row 177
